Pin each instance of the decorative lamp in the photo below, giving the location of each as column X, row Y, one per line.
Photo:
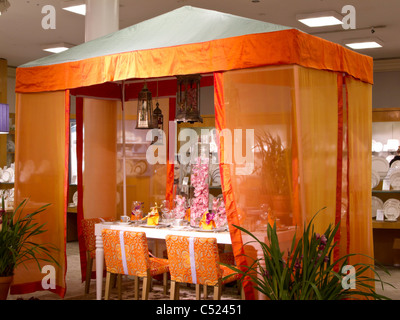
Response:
column 4, row 118
column 158, row 118
column 145, row 109
column 188, row 99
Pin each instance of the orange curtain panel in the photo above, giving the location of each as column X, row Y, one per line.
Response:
column 254, row 117
column 96, row 129
column 304, row 127
column 359, row 95
column 42, row 143
column 99, row 172
column 316, row 103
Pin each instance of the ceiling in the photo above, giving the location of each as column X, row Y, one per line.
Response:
column 22, row 36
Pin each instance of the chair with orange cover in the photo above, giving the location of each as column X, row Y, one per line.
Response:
column 127, row 253
column 90, row 244
column 196, row 260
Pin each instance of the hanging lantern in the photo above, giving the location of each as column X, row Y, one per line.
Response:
column 158, row 118
column 144, row 109
column 188, row 99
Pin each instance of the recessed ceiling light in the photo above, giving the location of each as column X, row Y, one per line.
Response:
column 366, row 43
column 57, row 48
column 79, row 9
column 320, row 19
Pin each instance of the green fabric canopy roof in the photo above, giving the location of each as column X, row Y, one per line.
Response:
column 185, row 25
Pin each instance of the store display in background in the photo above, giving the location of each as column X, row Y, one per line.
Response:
column 8, row 195
column 7, row 174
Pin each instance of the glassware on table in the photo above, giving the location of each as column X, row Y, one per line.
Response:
column 166, row 211
column 137, row 210
column 179, row 210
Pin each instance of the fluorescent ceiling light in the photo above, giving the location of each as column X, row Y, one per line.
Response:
column 366, row 43
column 320, row 19
column 79, row 9
column 57, row 48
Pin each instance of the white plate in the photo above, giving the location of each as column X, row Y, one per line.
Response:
column 160, row 225
column 375, row 178
column 395, row 180
column 6, row 176
column 213, row 230
column 396, row 164
column 377, row 204
column 75, row 198
column 380, row 165
column 122, row 223
column 178, row 227
column 391, row 207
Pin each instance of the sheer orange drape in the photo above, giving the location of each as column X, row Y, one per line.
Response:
column 302, row 113
column 359, row 97
column 316, row 95
column 257, row 190
column 100, row 158
column 97, row 122
column 42, row 142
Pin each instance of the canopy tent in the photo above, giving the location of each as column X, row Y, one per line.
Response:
column 313, row 94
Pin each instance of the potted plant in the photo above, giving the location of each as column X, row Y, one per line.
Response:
column 17, row 245
column 274, row 171
column 307, row 271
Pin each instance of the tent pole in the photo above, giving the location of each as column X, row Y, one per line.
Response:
column 123, row 149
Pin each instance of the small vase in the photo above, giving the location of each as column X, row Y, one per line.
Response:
column 5, row 283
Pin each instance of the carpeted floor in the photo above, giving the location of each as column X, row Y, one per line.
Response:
column 75, row 287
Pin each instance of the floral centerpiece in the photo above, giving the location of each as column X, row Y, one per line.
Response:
column 180, row 207
column 199, row 179
column 308, row 271
column 219, row 212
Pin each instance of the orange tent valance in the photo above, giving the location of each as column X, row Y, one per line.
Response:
column 248, row 51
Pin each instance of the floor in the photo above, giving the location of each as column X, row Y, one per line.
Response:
column 75, row 287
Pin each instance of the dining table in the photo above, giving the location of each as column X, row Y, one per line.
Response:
column 158, row 232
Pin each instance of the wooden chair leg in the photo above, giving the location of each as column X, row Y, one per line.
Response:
column 242, row 295
column 174, row 295
column 119, row 285
column 205, row 292
column 151, row 284
column 217, row 291
column 198, row 292
column 136, row 288
column 108, row 283
column 89, row 267
column 165, row 283
column 146, row 287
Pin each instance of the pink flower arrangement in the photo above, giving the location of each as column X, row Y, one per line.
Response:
column 199, row 180
column 180, row 207
column 219, row 212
